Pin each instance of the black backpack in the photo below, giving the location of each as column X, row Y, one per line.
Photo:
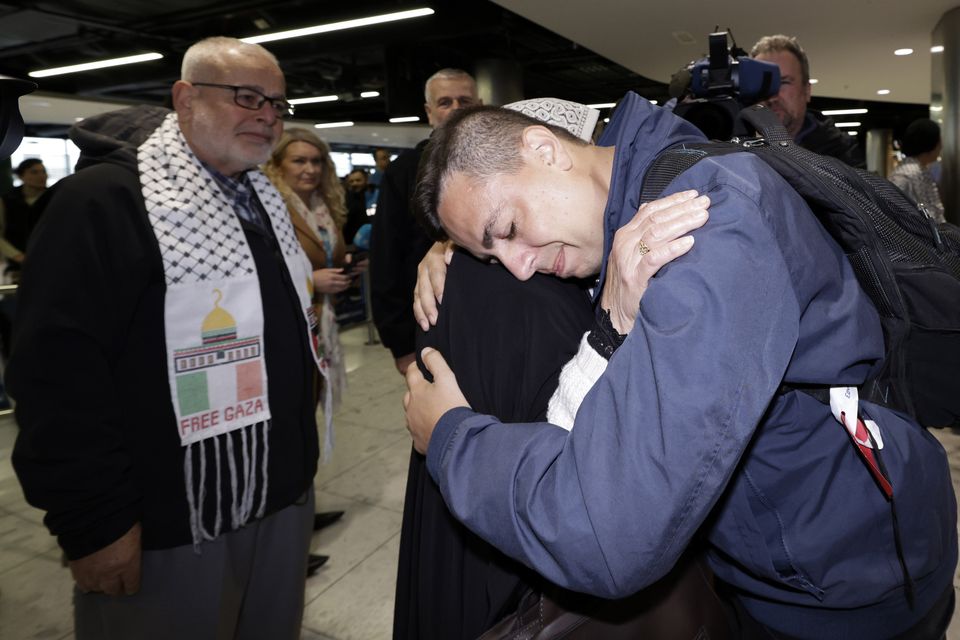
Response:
column 907, row 264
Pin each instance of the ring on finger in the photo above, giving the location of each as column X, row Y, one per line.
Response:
column 642, row 247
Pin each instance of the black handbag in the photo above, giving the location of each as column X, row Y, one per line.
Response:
column 681, row 606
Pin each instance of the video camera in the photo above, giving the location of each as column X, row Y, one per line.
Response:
column 711, row 91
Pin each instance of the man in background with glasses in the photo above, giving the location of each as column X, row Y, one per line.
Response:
column 163, row 365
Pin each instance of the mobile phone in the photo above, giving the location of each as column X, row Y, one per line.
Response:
column 355, row 257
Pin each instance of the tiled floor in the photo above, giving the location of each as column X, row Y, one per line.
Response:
column 351, row 598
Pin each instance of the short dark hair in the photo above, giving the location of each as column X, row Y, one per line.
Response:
column 481, row 142
column 26, row 165
column 780, row 42
column 921, row 136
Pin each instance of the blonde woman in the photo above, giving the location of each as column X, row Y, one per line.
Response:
column 301, row 169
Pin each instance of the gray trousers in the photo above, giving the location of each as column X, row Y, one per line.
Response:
column 245, row 585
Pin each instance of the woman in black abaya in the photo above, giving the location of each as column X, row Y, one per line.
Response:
column 507, row 341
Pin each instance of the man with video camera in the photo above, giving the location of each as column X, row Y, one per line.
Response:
column 809, row 128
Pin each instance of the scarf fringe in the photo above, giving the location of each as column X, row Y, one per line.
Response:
column 247, row 455
column 232, row 461
column 241, row 502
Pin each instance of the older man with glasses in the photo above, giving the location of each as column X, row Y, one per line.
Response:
column 173, row 445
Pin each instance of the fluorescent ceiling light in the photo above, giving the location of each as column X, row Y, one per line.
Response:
column 883, row 92
column 405, row 119
column 843, row 112
column 339, row 26
column 903, row 52
column 87, row 66
column 602, row 105
column 936, row 108
column 848, row 124
column 937, row 48
column 314, row 99
column 369, row 94
column 814, row 81
column 332, row 125
column 851, row 133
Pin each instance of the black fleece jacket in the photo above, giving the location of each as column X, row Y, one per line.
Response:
column 98, row 448
column 821, row 135
column 397, row 245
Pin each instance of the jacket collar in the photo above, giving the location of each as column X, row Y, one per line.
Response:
column 639, row 132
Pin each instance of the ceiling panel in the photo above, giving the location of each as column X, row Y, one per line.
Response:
column 588, row 52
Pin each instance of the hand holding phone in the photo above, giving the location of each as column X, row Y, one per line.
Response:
column 356, row 259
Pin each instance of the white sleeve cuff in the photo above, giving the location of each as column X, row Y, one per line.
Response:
column 576, row 378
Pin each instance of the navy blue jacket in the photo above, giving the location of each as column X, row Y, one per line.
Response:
column 686, row 430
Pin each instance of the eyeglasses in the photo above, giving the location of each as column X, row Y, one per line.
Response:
column 251, row 99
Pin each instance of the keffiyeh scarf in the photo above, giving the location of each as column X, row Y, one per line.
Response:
column 213, row 319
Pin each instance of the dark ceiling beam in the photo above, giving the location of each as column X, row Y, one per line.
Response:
column 219, row 9
column 99, row 25
column 141, row 30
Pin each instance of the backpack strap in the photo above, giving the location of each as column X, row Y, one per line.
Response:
column 665, row 167
column 766, row 123
column 675, row 160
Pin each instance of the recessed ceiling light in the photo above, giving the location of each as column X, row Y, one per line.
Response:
column 814, row 81
column 314, row 99
column 843, row 112
column 369, row 94
column 340, row 26
column 903, row 52
column 851, row 133
column 606, row 119
column 405, row 119
column 883, row 92
column 937, row 48
column 847, row 124
column 332, row 125
column 654, row 102
column 602, row 105
column 936, row 107
column 101, row 64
